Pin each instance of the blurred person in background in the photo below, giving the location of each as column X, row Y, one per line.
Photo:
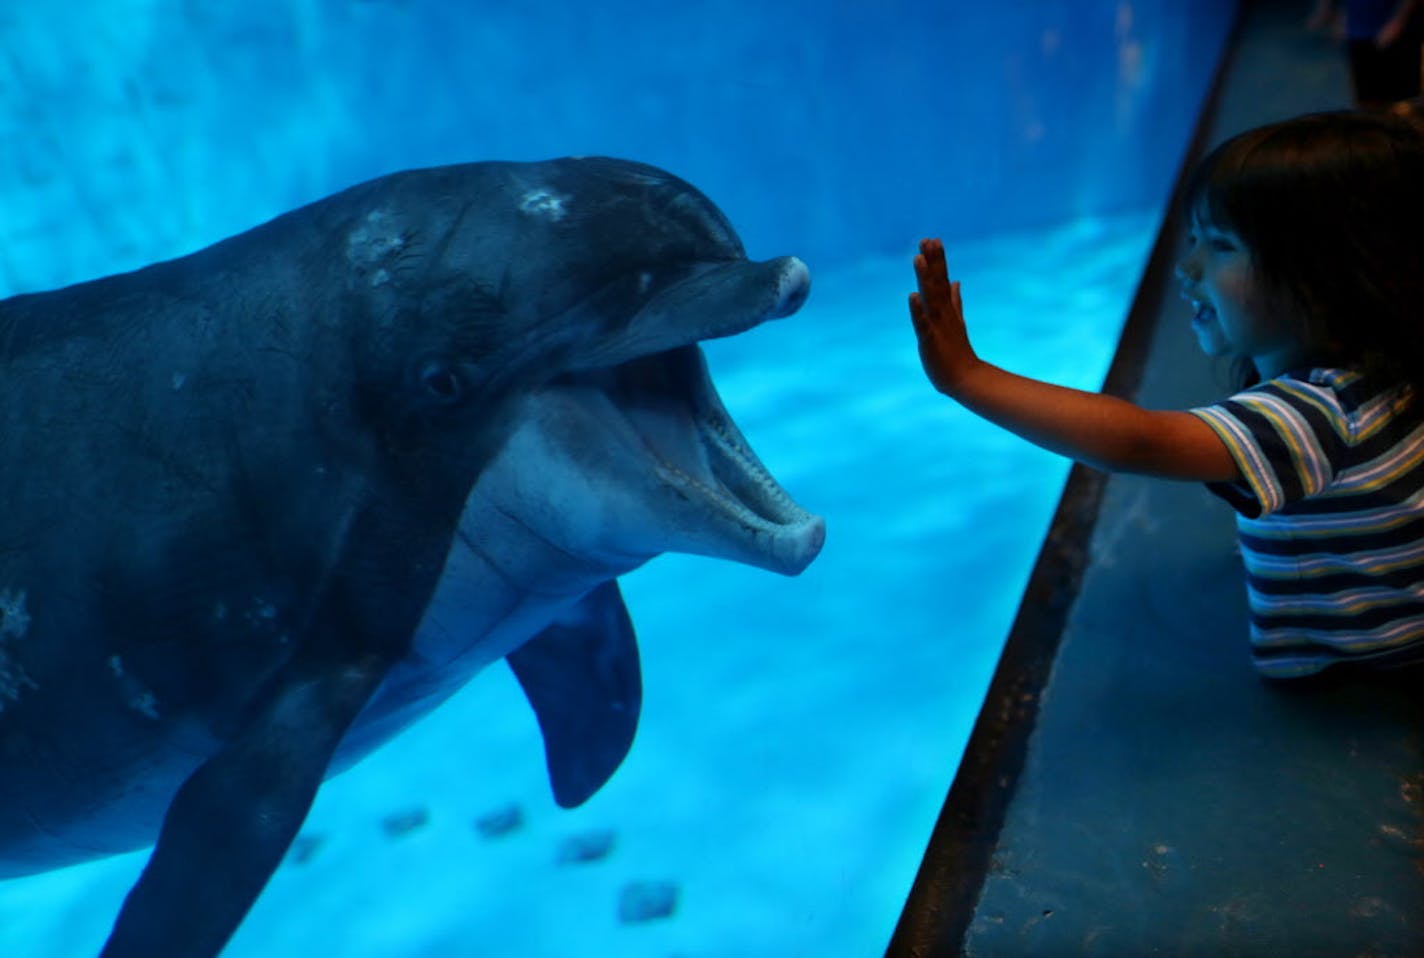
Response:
column 1382, row 39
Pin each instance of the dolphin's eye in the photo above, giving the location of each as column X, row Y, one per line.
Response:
column 440, row 381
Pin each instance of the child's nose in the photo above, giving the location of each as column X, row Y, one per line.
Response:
column 1188, row 269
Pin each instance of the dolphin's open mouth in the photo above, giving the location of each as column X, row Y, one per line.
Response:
column 637, row 454
column 727, row 504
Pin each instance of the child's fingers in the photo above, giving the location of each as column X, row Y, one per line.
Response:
column 937, row 298
column 930, row 267
column 933, row 252
column 930, row 280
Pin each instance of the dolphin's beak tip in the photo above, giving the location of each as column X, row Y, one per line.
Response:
column 807, row 546
column 793, row 289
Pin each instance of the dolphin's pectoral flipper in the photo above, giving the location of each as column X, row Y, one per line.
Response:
column 232, row 820
column 581, row 675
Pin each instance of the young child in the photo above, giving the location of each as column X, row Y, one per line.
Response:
column 1305, row 265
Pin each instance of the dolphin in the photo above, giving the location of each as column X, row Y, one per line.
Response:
column 265, row 503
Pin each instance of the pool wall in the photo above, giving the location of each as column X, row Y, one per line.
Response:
column 831, row 130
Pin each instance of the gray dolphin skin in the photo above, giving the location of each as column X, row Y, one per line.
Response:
column 266, row 504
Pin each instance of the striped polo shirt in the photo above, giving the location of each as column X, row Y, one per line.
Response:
column 1331, row 517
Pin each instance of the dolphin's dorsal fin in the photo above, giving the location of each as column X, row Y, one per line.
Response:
column 581, row 675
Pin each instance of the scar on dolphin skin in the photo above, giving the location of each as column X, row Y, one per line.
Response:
column 373, row 245
column 279, row 573
column 139, row 699
column 14, row 618
column 540, row 202
column 14, row 623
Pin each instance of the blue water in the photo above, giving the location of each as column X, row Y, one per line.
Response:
column 798, row 735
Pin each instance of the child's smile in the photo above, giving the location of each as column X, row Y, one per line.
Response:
column 1230, row 316
column 1209, row 334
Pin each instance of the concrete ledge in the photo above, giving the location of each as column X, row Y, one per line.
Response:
column 1132, row 787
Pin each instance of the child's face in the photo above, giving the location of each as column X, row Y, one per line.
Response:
column 1231, row 318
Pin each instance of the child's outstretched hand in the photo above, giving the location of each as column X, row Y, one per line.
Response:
column 1103, row 431
column 938, row 315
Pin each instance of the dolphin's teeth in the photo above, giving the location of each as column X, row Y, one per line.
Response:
column 725, row 473
column 746, row 479
column 717, row 498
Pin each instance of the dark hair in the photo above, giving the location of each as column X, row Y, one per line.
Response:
column 1331, row 207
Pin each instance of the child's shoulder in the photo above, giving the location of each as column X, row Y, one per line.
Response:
column 1363, row 399
column 1346, row 387
column 1336, row 378
column 1346, row 401
column 1350, row 388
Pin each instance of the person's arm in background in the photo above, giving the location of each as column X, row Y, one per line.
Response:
column 1398, row 22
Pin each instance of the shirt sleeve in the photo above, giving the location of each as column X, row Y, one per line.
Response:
column 1287, row 437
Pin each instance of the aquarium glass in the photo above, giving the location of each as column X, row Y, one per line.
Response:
column 798, row 735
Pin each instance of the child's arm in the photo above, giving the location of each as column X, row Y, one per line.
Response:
column 1101, row 431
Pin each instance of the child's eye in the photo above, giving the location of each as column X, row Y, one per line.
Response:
column 1220, row 242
